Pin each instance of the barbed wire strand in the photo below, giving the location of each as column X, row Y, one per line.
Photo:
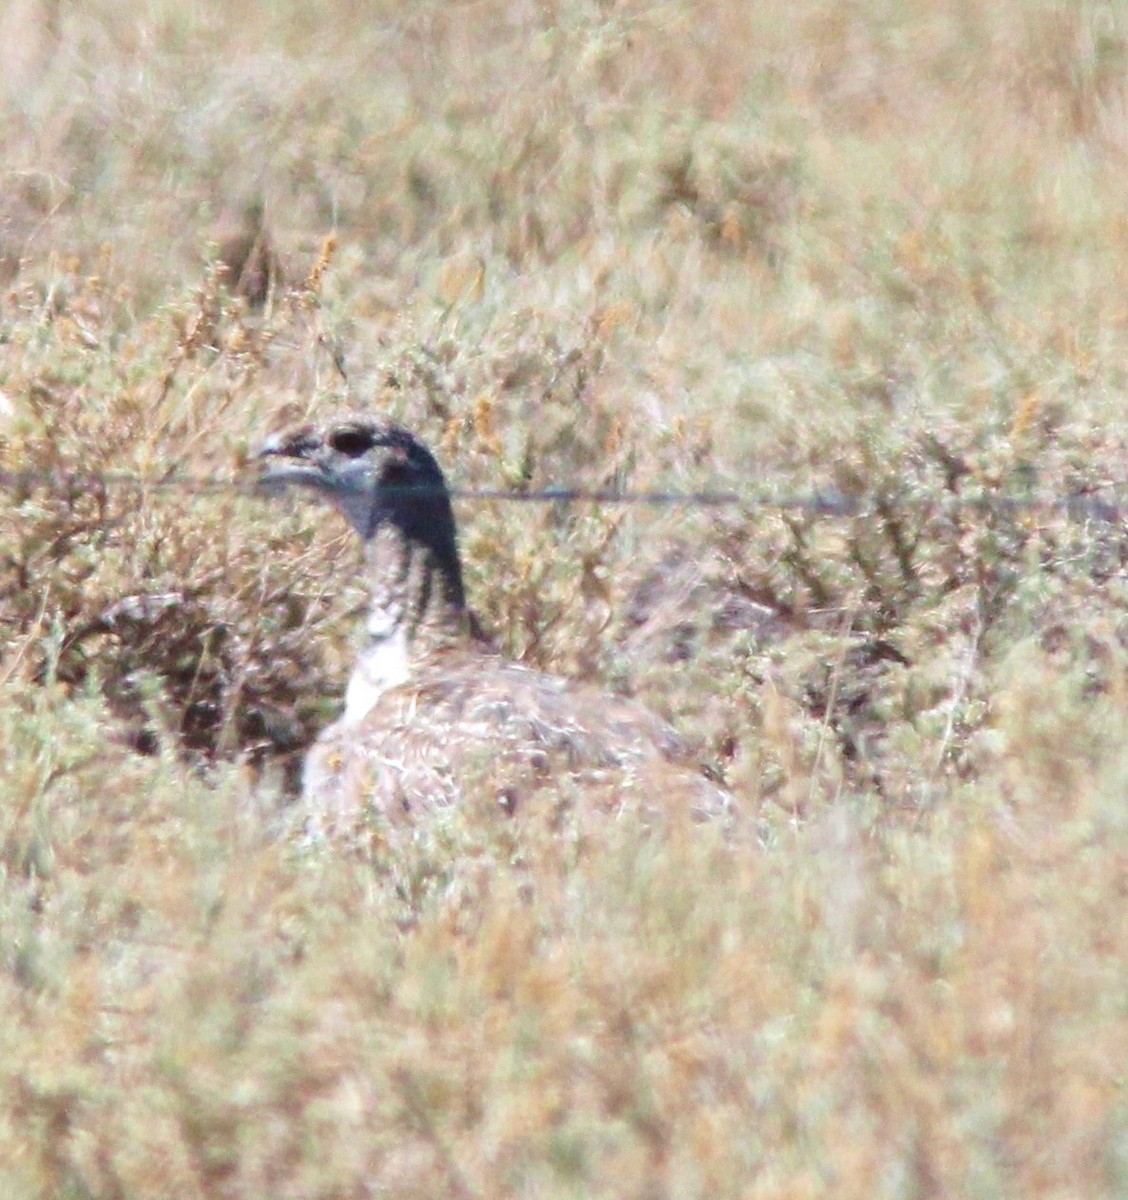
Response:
column 830, row 502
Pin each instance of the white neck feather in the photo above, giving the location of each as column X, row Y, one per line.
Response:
column 382, row 664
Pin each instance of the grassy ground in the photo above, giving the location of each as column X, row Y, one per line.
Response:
column 875, row 249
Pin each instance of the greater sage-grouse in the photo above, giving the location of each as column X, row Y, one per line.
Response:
column 432, row 714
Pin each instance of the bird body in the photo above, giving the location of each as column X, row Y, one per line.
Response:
column 433, row 714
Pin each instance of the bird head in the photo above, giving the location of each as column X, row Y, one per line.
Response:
column 374, row 473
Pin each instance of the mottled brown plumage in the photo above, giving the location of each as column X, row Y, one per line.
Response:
column 432, row 714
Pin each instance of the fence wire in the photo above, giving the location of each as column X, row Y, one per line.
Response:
column 821, row 502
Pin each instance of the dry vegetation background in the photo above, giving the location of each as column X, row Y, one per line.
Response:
column 878, row 249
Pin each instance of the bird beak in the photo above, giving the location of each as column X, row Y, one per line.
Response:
column 287, row 459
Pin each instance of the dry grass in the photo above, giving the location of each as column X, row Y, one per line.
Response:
column 866, row 248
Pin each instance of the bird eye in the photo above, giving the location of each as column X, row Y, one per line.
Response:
column 351, row 442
